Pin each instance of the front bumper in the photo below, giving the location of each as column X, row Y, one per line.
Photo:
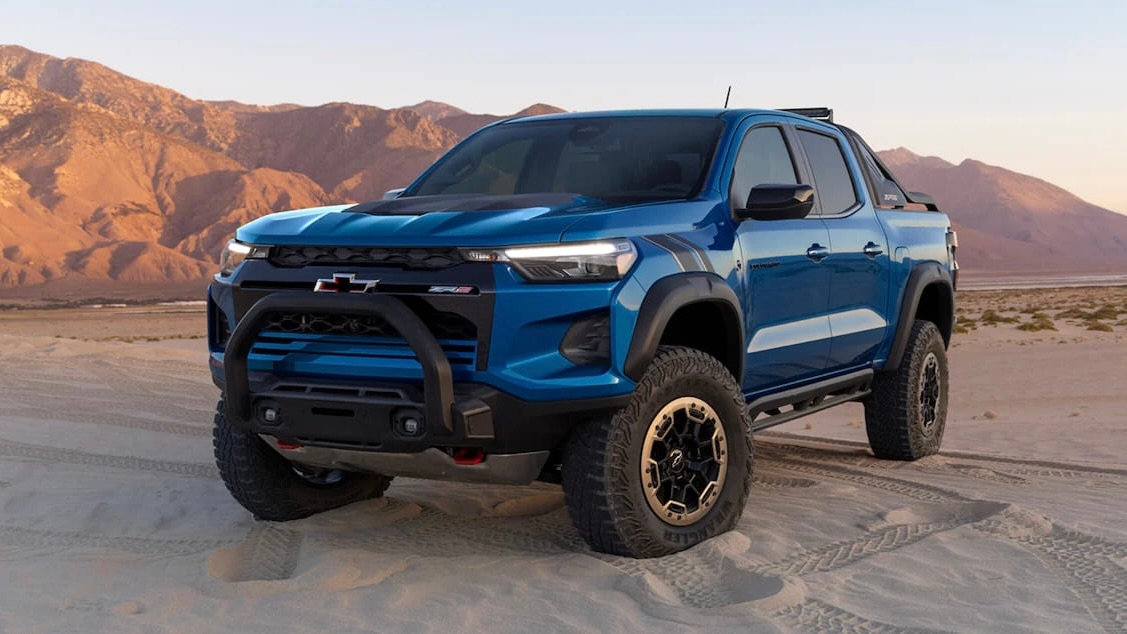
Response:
column 347, row 418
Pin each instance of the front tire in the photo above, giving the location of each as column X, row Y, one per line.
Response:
column 273, row 488
column 669, row 471
column 907, row 411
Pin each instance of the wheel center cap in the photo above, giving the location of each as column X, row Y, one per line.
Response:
column 677, row 461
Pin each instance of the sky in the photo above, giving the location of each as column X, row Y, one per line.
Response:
column 1036, row 87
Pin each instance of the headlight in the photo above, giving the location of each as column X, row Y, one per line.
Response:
column 578, row 262
column 236, row 252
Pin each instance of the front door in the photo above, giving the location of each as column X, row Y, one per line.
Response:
column 786, row 284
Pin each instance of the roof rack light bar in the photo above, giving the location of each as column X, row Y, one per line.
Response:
column 826, row 114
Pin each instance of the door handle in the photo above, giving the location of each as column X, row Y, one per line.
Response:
column 872, row 249
column 817, row 252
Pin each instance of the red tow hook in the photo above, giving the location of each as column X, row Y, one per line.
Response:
column 468, row 456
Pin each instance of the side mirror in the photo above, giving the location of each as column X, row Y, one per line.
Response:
column 392, row 194
column 778, row 202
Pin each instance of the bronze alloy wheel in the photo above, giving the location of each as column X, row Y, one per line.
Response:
column 684, row 461
column 668, row 471
column 929, row 391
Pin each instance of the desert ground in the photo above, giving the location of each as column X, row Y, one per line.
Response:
column 112, row 516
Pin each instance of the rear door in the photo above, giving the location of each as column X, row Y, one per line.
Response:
column 859, row 259
column 786, row 285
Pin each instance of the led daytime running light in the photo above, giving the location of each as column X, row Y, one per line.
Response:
column 564, row 250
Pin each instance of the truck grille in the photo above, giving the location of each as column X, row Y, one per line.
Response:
column 441, row 325
column 330, row 345
column 411, row 258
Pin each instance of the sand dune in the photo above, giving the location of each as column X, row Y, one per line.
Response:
column 112, row 517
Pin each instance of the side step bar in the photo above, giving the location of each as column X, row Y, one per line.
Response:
column 809, row 399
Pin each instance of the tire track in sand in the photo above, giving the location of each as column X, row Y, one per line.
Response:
column 33, row 538
column 781, row 458
column 126, row 421
column 1087, row 564
column 843, row 553
column 102, row 394
column 269, row 552
column 1094, row 568
column 813, row 615
column 1020, row 466
column 837, row 465
column 431, row 533
column 703, row 577
column 780, row 482
column 73, row 456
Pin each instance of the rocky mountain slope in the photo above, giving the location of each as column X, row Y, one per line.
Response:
column 107, row 181
column 1010, row 222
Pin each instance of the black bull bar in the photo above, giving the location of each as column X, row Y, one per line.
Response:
column 438, row 384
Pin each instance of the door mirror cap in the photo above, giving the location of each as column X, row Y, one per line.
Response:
column 778, row 202
column 392, row 194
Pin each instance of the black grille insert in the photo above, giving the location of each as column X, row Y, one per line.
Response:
column 442, row 325
column 405, row 257
column 336, row 390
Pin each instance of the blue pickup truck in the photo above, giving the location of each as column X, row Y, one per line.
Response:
column 612, row 301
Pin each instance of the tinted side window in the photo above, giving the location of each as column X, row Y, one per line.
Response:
column 763, row 159
column 887, row 191
column 832, row 181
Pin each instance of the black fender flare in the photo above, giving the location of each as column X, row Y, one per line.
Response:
column 923, row 275
column 664, row 298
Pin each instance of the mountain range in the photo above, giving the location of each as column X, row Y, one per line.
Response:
column 1014, row 223
column 110, row 183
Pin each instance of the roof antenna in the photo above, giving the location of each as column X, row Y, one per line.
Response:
column 727, row 96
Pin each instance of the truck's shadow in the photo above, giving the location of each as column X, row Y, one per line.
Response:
column 445, row 519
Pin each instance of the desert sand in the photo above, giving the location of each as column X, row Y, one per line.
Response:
column 112, row 516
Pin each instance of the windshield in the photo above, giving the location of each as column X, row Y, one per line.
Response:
column 616, row 159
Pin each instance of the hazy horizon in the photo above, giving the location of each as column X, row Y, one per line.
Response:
column 1029, row 89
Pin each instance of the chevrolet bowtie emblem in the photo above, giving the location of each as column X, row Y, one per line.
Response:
column 345, row 283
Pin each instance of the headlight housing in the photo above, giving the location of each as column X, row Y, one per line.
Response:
column 236, row 252
column 604, row 260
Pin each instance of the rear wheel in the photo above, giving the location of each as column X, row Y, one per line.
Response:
column 670, row 470
column 907, row 410
column 273, row 488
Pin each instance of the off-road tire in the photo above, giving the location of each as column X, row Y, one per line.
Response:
column 268, row 486
column 602, row 469
column 897, row 412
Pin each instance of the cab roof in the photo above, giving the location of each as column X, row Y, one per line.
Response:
column 725, row 114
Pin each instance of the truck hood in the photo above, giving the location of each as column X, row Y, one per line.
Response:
column 427, row 221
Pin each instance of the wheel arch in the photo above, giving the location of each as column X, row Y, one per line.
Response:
column 929, row 296
column 671, row 314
